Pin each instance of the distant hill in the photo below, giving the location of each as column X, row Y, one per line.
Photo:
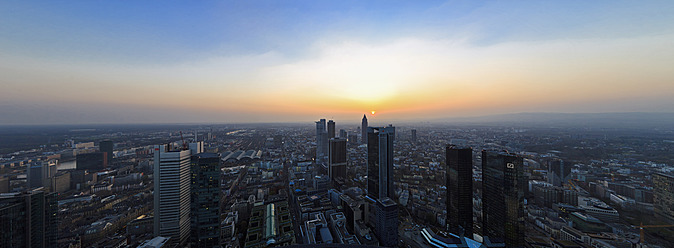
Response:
column 609, row 120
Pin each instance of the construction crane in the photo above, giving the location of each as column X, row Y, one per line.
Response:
column 183, row 139
column 641, row 230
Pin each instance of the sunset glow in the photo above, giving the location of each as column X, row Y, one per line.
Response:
column 208, row 62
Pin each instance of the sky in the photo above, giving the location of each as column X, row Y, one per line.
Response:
column 80, row 62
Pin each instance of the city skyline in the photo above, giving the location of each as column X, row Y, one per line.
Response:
column 105, row 62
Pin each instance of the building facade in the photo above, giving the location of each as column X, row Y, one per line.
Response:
column 663, row 196
column 459, row 178
column 29, row 219
column 380, row 161
column 503, row 185
column 205, row 200
column 106, row 146
column 337, row 159
column 558, row 172
column 331, row 129
column 172, row 194
column 387, row 222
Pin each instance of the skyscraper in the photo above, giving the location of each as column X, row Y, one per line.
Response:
column 29, row 219
column 172, row 193
column 337, row 159
column 205, row 200
column 321, row 140
column 558, row 172
column 386, row 228
column 331, row 129
column 459, row 178
column 663, row 196
column 106, row 146
column 363, row 129
column 414, row 135
column 342, row 134
column 37, row 173
column 503, row 186
column 380, row 161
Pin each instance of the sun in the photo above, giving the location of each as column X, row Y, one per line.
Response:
column 373, row 112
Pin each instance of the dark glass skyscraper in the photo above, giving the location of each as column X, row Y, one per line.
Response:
column 503, row 186
column 337, row 159
column 29, row 219
column 321, row 140
column 459, row 190
column 558, row 172
column 363, row 129
column 205, row 200
column 106, row 147
column 380, row 161
column 387, row 222
column 331, row 129
column 414, row 135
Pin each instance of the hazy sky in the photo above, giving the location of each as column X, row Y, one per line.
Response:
column 268, row 61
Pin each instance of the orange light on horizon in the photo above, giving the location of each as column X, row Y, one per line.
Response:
column 373, row 112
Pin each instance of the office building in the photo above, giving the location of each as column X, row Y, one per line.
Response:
column 205, row 200
column 342, row 134
column 37, row 173
column 172, row 193
column 337, row 160
column 331, row 129
column 558, row 172
column 386, row 228
column 321, row 140
column 363, row 129
column 663, row 196
column 414, row 135
column 459, row 178
column 380, row 162
column 503, row 186
column 29, row 219
column 92, row 161
column 106, row 146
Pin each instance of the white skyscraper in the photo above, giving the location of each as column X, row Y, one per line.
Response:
column 172, row 192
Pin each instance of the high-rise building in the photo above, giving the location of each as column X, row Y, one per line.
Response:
column 37, row 173
column 106, row 146
column 414, row 135
column 663, row 196
column 503, row 186
column 331, row 129
column 558, row 172
column 363, row 129
column 342, row 134
column 205, row 200
column 172, row 193
column 459, row 178
column 337, row 159
column 386, row 228
column 380, row 161
column 321, row 140
column 29, row 219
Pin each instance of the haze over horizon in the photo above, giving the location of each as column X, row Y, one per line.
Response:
column 263, row 61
